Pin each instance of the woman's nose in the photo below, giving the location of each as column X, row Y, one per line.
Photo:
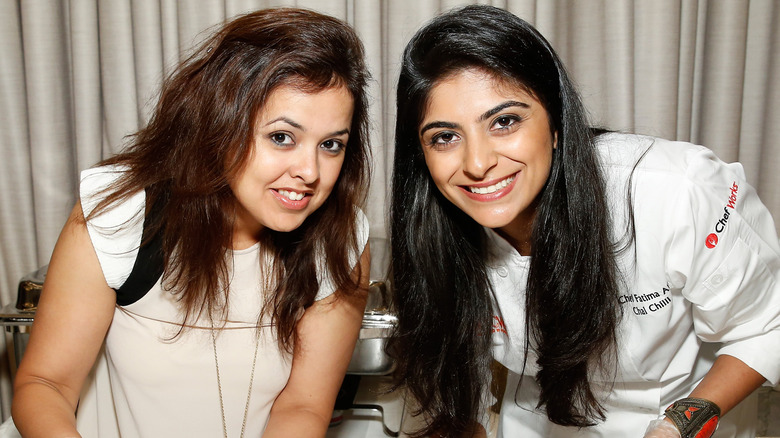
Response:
column 479, row 157
column 306, row 165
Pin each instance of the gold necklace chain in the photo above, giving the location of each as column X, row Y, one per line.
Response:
column 219, row 384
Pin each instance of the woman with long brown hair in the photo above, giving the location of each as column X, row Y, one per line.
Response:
column 210, row 282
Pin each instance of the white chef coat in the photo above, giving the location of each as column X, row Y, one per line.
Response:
column 704, row 280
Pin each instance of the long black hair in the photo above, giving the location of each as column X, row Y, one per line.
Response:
column 441, row 289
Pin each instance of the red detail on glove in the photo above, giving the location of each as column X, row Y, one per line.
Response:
column 708, row 429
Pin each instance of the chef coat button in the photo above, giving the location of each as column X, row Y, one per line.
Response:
column 503, row 271
column 717, row 279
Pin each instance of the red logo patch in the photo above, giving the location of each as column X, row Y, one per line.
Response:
column 498, row 325
column 711, row 241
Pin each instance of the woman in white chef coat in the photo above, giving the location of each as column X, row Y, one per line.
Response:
column 613, row 275
column 221, row 260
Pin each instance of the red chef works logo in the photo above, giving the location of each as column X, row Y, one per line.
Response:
column 712, row 240
column 731, row 203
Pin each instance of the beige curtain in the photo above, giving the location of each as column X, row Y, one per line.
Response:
column 77, row 76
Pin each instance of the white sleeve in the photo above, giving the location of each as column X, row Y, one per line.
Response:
column 726, row 248
column 361, row 237
column 115, row 233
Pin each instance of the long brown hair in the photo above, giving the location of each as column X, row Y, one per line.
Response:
column 200, row 136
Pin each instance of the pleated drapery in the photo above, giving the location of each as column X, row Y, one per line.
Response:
column 78, row 76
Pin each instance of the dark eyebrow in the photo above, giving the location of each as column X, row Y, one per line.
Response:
column 498, row 108
column 433, row 125
column 286, row 120
column 299, row 126
column 338, row 133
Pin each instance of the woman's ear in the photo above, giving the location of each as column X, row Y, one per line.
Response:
column 555, row 140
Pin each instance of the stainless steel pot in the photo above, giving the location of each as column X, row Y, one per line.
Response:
column 369, row 357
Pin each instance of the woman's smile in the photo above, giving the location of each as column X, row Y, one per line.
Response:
column 490, row 191
column 292, row 199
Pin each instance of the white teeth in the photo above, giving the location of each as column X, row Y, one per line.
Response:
column 293, row 196
column 490, row 189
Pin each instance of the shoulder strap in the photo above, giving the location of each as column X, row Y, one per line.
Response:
column 148, row 266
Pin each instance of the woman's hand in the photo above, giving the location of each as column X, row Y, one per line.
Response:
column 326, row 337
column 742, row 379
column 661, row 428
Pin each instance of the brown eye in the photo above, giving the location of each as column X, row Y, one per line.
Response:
column 444, row 138
column 333, row 146
column 504, row 122
column 281, row 138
